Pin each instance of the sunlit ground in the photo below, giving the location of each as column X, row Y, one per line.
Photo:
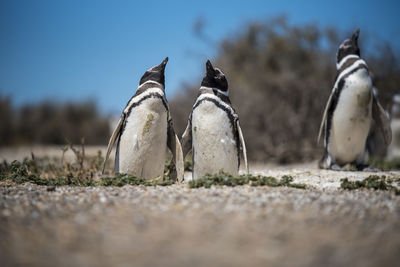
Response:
column 221, row 226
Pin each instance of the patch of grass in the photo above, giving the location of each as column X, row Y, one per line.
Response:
column 50, row 172
column 287, row 181
column 372, row 182
column 385, row 164
column 23, row 172
column 124, row 179
column 226, row 179
column 83, row 171
column 30, row 171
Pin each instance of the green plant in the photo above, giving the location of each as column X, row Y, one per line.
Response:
column 371, row 182
column 228, row 180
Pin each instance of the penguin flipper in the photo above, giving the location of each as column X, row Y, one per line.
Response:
column 243, row 147
column 381, row 118
column 175, row 146
column 187, row 138
column 328, row 105
column 116, row 160
column 113, row 137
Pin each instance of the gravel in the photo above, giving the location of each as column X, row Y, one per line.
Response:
column 220, row 226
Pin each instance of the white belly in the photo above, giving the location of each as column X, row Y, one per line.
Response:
column 351, row 120
column 214, row 145
column 142, row 147
column 394, row 148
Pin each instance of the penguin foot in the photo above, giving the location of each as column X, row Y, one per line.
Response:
column 354, row 167
column 324, row 163
column 336, row 167
column 367, row 168
column 346, row 168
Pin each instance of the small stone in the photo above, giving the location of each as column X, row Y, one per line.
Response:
column 51, row 188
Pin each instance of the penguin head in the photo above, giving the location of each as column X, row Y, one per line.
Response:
column 214, row 78
column 155, row 74
column 349, row 47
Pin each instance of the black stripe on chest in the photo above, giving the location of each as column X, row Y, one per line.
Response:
column 138, row 103
column 151, row 95
column 228, row 111
column 143, row 88
column 335, row 99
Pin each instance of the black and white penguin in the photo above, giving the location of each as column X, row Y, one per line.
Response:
column 350, row 110
column 213, row 133
column 145, row 130
column 394, row 148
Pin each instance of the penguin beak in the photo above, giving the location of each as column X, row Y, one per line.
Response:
column 163, row 64
column 354, row 38
column 160, row 67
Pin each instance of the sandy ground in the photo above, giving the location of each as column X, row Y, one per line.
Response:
column 221, row 226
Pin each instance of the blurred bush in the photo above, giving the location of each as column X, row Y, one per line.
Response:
column 52, row 123
column 7, row 120
column 280, row 77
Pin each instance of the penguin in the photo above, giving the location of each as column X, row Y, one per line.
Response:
column 213, row 133
column 349, row 112
column 394, row 148
column 145, row 130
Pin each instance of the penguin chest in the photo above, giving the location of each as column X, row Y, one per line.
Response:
column 142, row 146
column 351, row 120
column 394, row 148
column 213, row 140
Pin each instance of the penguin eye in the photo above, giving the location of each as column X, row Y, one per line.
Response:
column 219, row 74
column 345, row 44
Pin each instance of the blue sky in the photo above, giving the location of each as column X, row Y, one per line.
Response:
column 79, row 50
